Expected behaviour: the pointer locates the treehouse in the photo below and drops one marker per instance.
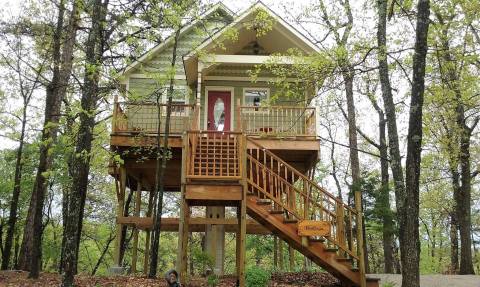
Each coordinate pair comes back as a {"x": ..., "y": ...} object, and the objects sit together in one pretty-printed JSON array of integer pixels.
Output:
[{"x": 234, "y": 142}]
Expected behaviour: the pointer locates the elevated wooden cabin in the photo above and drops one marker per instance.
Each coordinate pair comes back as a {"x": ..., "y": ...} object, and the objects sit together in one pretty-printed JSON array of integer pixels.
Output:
[{"x": 234, "y": 142}]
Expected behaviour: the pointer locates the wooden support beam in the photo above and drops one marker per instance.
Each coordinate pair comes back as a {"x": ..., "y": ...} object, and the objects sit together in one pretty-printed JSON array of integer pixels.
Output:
[
  {"x": 138, "y": 200},
  {"x": 120, "y": 186},
  {"x": 147, "y": 237},
  {"x": 135, "y": 140},
  {"x": 184, "y": 216},
  {"x": 183, "y": 246},
  {"x": 214, "y": 192},
  {"x": 195, "y": 224},
  {"x": 242, "y": 217}
]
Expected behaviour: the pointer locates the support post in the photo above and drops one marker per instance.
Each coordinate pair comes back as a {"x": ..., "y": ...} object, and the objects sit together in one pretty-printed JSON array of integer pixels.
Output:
[
  {"x": 147, "y": 237},
  {"x": 242, "y": 216},
  {"x": 184, "y": 216},
  {"x": 120, "y": 206},
  {"x": 138, "y": 201},
  {"x": 183, "y": 246},
  {"x": 215, "y": 238}
]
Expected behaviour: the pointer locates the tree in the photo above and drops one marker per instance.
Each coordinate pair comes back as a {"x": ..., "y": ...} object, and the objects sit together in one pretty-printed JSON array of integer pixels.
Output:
[
  {"x": 407, "y": 192},
  {"x": 458, "y": 120},
  {"x": 347, "y": 71},
  {"x": 27, "y": 81},
  {"x": 161, "y": 160},
  {"x": 56, "y": 89},
  {"x": 95, "y": 46},
  {"x": 382, "y": 199}
]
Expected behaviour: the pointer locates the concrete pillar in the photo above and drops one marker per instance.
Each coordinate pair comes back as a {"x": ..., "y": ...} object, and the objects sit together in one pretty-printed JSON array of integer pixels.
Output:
[{"x": 215, "y": 238}]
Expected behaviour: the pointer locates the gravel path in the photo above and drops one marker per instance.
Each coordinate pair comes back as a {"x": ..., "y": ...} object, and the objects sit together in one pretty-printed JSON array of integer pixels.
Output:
[{"x": 432, "y": 280}]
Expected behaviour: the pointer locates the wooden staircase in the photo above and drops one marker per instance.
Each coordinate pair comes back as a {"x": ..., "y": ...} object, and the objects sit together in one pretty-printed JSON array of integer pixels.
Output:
[{"x": 280, "y": 198}]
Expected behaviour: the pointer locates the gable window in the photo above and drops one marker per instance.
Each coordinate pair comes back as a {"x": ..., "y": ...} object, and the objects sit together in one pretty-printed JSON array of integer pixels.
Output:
[{"x": 255, "y": 97}]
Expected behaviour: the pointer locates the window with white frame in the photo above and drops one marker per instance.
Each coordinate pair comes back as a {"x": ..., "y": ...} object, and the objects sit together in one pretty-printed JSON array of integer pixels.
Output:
[{"x": 255, "y": 96}]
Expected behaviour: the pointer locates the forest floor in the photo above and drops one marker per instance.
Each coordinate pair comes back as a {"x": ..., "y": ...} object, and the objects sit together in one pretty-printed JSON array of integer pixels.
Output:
[
  {"x": 19, "y": 278},
  {"x": 305, "y": 279}
]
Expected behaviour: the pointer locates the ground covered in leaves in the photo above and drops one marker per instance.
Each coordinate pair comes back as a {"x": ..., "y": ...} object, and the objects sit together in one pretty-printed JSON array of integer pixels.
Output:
[{"x": 19, "y": 278}]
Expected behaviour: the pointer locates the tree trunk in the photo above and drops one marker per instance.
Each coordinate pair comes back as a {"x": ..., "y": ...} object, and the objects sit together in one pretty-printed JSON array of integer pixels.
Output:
[
  {"x": 459, "y": 149},
  {"x": 160, "y": 169},
  {"x": 354, "y": 159},
  {"x": 104, "y": 252},
  {"x": 32, "y": 236},
  {"x": 409, "y": 225},
  {"x": 66, "y": 187},
  {"x": 81, "y": 160},
  {"x": 388, "y": 228},
  {"x": 406, "y": 194},
  {"x": 464, "y": 210},
  {"x": 453, "y": 243},
  {"x": 12, "y": 217},
  {"x": 32, "y": 231},
  {"x": 124, "y": 242}
]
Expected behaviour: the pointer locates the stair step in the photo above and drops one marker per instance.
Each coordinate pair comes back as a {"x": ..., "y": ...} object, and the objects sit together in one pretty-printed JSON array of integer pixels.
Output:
[
  {"x": 264, "y": 201},
  {"x": 277, "y": 211},
  {"x": 321, "y": 239},
  {"x": 290, "y": 220},
  {"x": 344, "y": 259},
  {"x": 249, "y": 193}
]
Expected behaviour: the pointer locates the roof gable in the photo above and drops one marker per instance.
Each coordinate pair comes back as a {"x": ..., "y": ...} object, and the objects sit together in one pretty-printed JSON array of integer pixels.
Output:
[
  {"x": 155, "y": 52},
  {"x": 279, "y": 39}
]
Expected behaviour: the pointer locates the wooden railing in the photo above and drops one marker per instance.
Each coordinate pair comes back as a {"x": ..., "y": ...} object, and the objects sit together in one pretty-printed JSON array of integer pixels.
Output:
[
  {"x": 143, "y": 117},
  {"x": 214, "y": 155},
  {"x": 277, "y": 120},
  {"x": 270, "y": 177}
]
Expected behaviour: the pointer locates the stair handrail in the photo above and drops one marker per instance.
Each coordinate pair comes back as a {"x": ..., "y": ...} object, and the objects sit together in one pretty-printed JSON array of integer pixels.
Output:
[
  {"x": 250, "y": 157},
  {"x": 331, "y": 196},
  {"x": 338, "y": 218}
]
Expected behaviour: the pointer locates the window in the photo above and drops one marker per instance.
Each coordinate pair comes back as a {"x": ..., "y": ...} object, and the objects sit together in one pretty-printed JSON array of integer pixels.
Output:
[{"x": 255, "y": 96}]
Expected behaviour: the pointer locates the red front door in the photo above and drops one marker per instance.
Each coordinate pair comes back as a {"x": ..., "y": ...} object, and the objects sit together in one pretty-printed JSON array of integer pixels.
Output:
[{"x": 218, "y": 114}]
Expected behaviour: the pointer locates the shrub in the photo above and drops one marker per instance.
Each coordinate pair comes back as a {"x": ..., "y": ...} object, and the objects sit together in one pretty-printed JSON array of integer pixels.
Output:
[
  {"x": 257, "y": 277},
  {"x": 212, "y": 280}
]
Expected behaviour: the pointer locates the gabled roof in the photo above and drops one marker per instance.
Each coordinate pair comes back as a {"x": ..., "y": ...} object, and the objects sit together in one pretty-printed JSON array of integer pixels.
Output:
[
  {"x": 284, "y": 28},
  {"x": 160, "y": 47}
]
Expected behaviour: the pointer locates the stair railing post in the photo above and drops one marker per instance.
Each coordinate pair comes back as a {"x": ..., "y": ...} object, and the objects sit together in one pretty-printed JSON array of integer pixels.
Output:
[
  {"x": 306, "y": 204},
  {"x": 340, "y": 214},
  {"x": 359, "y": 223},
  {"x": 238, "y": 117}
]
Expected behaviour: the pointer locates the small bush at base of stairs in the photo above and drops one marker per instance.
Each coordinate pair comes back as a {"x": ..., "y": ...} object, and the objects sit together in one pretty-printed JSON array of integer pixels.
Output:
[{"x": 257, "y": 277}]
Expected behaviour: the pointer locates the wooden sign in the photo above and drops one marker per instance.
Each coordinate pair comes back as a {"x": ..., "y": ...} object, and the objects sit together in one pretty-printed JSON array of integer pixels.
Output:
[{"x": 314, "y": 228}]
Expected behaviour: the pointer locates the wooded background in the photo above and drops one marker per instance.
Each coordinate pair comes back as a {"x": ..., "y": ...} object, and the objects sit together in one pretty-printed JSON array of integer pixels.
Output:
[{"x": 399, "y": 79}]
